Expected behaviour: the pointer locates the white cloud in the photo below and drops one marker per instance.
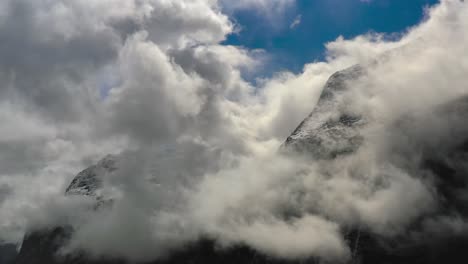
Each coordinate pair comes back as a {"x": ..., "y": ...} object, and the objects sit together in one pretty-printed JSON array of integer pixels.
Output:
[
  {"x": 296, "y": 22},
  {"x": 184, "y": 117}
]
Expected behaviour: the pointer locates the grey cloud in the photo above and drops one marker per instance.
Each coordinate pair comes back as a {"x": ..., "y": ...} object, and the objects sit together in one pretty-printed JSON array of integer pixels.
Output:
[
  {"x": 203, "y": 62},
  {"x": 46, "y": 70},
  {"x": 185, "y": 120},
  {"x": 178, "y": 24},
  {"x": 21, "y": 157},
  {"x": 164, "y": 98},
  {"x": 5, "y": 191},
  {"x": 259, "y": 193}
]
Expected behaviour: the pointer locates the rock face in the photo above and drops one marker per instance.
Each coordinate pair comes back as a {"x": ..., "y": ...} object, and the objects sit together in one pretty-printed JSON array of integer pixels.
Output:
[
  {"x": 441, "y": 136},
  {"x": 7, "y": 253},
  {"x": 89, "y": 181},
  {"x": 325, "y": 134},
  {"x": 321, "y": 135},
  {"x": 332, "y": 130},
  {"x": 40, "y": 247}
]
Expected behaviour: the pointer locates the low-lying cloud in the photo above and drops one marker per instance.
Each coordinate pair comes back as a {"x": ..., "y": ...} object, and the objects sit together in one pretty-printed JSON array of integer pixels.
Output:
[{"x": 199, "y": 144}]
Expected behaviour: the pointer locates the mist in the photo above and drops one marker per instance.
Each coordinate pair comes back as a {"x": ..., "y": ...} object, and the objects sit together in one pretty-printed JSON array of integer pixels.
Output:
[{"x": 200, "y": 150}]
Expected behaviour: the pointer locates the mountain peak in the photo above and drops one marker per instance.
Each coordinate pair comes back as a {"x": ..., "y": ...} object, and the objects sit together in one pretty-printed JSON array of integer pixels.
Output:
[
  {"x": 90, "y": 180},
  {"x": 329, "y": 131}
]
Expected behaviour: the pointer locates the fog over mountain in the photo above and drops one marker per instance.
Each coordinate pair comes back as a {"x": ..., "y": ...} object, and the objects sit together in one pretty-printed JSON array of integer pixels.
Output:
[{"x": 200, "y": 153}]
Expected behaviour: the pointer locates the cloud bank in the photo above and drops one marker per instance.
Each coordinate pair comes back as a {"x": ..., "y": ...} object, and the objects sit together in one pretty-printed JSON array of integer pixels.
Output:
[{"x": 151, "y": 81}]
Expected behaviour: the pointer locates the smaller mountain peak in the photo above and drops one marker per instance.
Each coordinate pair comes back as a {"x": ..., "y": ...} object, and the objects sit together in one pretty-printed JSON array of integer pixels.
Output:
[{"x": 90, "y": 180}]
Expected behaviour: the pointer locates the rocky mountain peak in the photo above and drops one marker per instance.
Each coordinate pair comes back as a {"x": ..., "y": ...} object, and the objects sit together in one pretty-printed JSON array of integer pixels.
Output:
[
  {"x": 325, "y": 133},
  {"x": 90, "y": 180}
]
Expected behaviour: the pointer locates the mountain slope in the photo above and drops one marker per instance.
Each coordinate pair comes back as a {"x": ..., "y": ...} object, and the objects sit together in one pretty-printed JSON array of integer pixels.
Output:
[
  {"x": 41, "y": 246},
  {"x": 323, "y": 134}
]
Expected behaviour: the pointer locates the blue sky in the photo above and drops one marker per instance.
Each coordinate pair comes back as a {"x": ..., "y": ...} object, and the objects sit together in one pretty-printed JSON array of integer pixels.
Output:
[{"x": 321, "y": 21}]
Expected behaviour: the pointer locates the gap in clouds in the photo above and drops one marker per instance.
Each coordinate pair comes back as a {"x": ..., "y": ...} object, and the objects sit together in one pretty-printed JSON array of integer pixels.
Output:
[{"x": 322, "y": 21}]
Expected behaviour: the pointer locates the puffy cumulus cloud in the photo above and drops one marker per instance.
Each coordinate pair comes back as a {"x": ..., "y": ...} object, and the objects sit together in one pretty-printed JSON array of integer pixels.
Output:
[
  {"x": 60, "y": 59},
  {"x": 184, "y": 23},
  {"x": 198, "y": 143}
]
